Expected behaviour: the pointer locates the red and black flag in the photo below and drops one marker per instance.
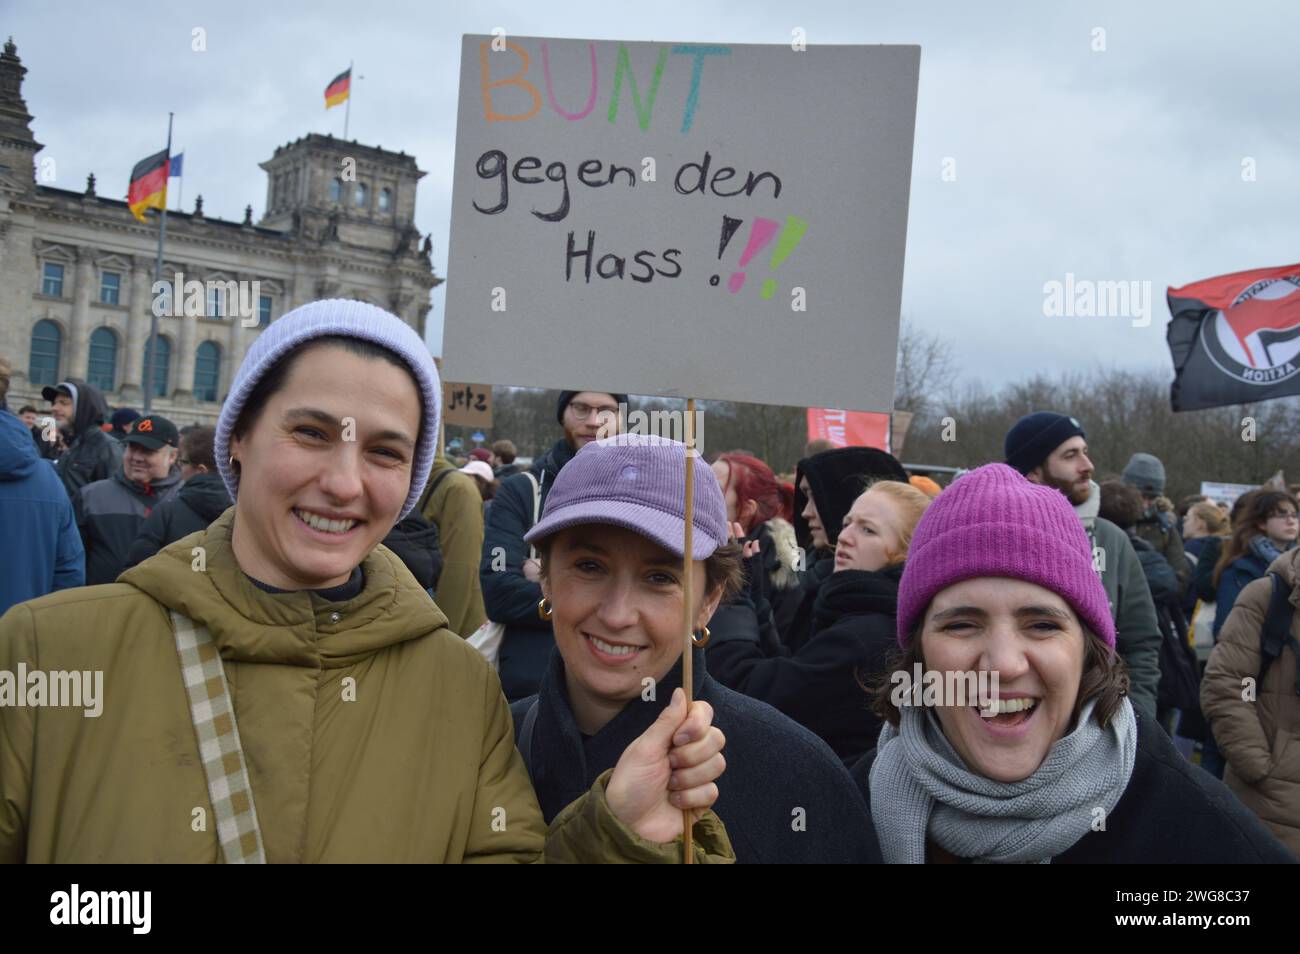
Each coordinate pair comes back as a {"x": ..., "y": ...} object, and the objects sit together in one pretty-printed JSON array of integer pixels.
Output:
[
  {"x": 1235, "y": 339},
  {"x": 148, "y": 187},
  {"x": 338, "y": 89}
]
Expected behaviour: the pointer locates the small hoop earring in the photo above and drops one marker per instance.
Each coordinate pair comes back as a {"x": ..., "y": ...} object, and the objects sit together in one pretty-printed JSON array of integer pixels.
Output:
[
  {"x": 544, "y": 609},
  {"x": 697, "y": 641}
]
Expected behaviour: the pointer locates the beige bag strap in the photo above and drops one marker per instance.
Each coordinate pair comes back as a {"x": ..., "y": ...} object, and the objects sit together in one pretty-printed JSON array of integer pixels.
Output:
[
  {"x": 220, "y": 750},
  {"x": 537, "y": 509}
]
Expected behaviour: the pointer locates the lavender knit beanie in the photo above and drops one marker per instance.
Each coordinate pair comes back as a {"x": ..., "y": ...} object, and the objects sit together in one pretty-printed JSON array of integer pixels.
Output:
[
  {"x": 351, "y": 319},
  {"x": 994, "y": 522}
]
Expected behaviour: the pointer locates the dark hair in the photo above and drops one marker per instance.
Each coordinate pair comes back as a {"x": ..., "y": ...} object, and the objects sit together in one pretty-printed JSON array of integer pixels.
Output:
[
  {"x": 723, "y": 568},
  {"x": 505, "y": 450},
  {"x": 1105, "y": 678},
  {"x": 1121, "y": 504},
  {"x": 196, "y": 445},
  {"x": 1250, "y": 510},
  {"x": 27, "y": 407},
  {"x": 273, "y": 380}
]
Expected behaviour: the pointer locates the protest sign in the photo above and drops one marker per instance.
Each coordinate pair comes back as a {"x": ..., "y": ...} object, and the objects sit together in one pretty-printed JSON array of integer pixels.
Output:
[
  {"x": 1225, "y": 493},
  {"x": 690, "y": 220},
  {"x": 469, "y": 405}
]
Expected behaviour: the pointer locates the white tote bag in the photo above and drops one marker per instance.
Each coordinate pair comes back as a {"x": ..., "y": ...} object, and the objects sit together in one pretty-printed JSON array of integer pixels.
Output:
[{"x": 487, "y": 638}]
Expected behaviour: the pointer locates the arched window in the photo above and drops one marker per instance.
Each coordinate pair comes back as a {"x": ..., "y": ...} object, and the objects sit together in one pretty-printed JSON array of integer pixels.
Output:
[
  {"x": 207, "y": 371},
  {"x": 336, "y": 190},
  {"x": 47, "y": 342},
  {"x": 363, "y": 195},
  {"x": 102, "y": 368},
  {"x": 161, "y": 362},
  {"x": 385, "y": 200}
]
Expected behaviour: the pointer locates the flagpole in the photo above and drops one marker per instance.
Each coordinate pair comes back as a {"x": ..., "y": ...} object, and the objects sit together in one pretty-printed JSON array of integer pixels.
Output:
[
  {"x": 152, "y": 347},
  {"x": 347, "y": 109}
]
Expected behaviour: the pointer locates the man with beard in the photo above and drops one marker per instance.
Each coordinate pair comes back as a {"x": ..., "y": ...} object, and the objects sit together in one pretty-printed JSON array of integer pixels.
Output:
[
  {"x": 1051, "y": 449},
  {"x": 508, "y": 574},
  {"x": 91, "y": 455}
]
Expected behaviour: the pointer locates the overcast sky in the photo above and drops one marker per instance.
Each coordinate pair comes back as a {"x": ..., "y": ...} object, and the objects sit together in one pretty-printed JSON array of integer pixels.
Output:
[{"x": 1122, "y": 164}]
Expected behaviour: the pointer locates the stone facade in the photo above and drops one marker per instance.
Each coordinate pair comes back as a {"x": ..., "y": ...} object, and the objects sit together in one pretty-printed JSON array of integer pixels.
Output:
[{"x": 339, "y": 222}]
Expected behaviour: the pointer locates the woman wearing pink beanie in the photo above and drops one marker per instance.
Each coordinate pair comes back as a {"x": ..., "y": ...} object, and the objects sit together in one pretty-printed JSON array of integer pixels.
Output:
[{"x": 1048, "y": 761}]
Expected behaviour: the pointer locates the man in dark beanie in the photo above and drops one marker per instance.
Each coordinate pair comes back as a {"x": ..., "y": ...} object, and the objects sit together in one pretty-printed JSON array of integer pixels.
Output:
[
  {"x": 122, "y": 420},
  {"x": 508, "y": 572},
  {"x": 1052, "y": 449},
  {"x": 1147, "y": 474}
]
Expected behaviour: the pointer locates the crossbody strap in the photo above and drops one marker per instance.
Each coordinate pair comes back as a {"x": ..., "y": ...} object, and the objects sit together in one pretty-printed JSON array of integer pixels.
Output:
[
  {"x": 220, "y": 750},
  {"x": 537, "y": 508}
]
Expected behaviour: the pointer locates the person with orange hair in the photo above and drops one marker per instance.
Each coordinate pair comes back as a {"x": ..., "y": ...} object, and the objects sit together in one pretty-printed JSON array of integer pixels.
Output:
[{"x": 925, "y": 484}]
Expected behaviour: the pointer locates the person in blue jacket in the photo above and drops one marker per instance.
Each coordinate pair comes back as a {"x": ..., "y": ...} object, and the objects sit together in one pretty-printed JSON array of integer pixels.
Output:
[
  {"x": 42, "y": 549},
  {"x": 508, "y": 574},
  {"x": 1266, "y": 527}
]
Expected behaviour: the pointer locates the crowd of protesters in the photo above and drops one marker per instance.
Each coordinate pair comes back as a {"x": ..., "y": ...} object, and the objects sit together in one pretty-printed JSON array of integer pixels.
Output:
[{"x": 314, "y": 602}]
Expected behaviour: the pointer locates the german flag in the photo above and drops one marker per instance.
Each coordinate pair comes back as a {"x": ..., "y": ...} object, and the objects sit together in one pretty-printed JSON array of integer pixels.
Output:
[
  {"x": 148, "y": 184},
  {"x": 337, "y": 91}
]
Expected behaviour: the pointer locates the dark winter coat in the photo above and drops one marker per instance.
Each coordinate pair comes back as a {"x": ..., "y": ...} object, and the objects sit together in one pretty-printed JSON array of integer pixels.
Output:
[
  {"x": 42, "y": 550},
  {"x": 1158, "y": 529},
  {"x": 1245, "y": 569},
  {"x": 1171, "y": 813},
  {"x": 783, "y": 798},
  {"x": 1207, "y": 557},
  {"x": 508, "y": 596},
  {"x": 821, "y": 683},
  {"x": 92, "y": 455},
  {"x": 200, "y": 500},
  {"x": 110, "y": 514}
]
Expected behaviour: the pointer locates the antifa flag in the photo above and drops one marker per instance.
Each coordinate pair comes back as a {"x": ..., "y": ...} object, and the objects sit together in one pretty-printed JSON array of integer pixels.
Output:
[{"x": 1235, "y": 339}]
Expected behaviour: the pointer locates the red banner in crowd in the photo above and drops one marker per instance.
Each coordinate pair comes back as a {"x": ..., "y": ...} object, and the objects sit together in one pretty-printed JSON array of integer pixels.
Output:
[
  {"x": 849, "y": 428},
  {"x": 1235, "y": 339}
]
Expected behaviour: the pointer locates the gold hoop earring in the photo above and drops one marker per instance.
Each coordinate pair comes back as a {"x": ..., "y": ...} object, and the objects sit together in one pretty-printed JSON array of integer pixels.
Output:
[
  {"x": 697, "y": 641},
  {"x": 544, "y": 609}
]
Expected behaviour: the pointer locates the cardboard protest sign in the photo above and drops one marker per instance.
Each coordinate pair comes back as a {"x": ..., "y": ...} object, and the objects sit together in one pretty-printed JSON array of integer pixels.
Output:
[
  {"x": 693, "y": 220},
  {"x": 469, "y": 405}
]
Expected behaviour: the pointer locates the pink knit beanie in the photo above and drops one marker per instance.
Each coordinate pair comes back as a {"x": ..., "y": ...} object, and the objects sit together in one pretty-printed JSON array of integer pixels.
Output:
[{"x": 994, "y": 522}]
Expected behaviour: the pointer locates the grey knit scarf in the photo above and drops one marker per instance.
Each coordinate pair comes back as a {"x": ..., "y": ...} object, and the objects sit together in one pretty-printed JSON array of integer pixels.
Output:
[{"x": 921, "y": 787}]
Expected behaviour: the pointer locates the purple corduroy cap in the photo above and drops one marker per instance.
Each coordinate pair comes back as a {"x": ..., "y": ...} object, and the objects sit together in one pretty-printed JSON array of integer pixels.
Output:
[
  {"x": 351, "y": 319},
  {"x": 637, "y": 481},
  {"x": 994, "y": 522}
]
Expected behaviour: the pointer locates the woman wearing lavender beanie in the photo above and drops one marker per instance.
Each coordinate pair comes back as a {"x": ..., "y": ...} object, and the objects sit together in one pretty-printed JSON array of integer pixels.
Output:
[
  {"x": 1048, "y": 762},
  {"x": 278, "y": 687}
]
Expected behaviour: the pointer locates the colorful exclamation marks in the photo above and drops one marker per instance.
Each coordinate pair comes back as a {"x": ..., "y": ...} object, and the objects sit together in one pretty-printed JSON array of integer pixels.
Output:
[
  {"x": 791, "y": 236},
  {"x": 760, "y": 233}
]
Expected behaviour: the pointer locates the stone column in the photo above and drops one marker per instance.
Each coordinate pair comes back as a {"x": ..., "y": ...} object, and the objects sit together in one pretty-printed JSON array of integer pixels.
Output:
[
  {"x": 139, "y": 313},
  {"x": 183, "y": 354},
  {"x": 79, "y": 333}
]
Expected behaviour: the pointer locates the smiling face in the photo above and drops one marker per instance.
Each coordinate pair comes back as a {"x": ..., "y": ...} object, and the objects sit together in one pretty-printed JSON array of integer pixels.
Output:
[
  {"x": 617, "y": 599},
  {"x": 324, "y": 469},
  {"x": 143, "y": 465},
  {"x": 819, "y": 539},
  {"x": 1032, "y": 639},
  {"x": 871, "y": 539}
]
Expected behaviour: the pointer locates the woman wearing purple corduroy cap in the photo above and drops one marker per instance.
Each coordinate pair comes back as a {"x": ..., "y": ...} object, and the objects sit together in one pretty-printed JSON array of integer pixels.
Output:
[
  {"x": 611, "y": 539},
  {"x": 1009, "y": 736},
  {"x": 278, "y": 687}
]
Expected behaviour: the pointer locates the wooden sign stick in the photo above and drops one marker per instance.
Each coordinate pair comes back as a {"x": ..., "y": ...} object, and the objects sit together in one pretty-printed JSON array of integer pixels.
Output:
[{"x": 687, "y": 623}]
